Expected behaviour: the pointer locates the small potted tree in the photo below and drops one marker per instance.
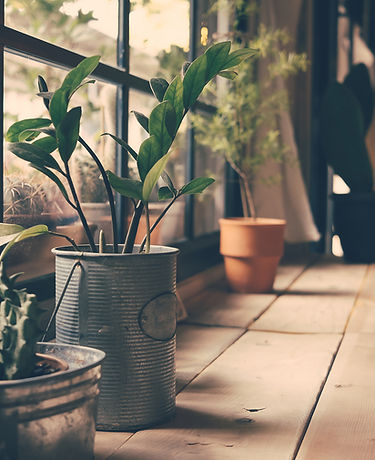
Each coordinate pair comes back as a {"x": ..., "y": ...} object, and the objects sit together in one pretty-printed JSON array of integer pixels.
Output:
[
  {"x": 48, "y": 392},
  {"x": 244, "y": 131},
  {"x": 121, "y": 297}
]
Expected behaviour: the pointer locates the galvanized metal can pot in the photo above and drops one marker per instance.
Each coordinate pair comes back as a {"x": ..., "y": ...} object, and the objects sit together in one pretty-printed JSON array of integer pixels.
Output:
[
  {"x": 125, "y": 305},
  {"x": 52, "y": 416}
]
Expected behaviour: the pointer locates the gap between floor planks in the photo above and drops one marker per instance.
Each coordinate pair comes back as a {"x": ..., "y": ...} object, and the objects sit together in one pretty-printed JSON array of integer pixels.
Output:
[{"x": 121, "y": 438}]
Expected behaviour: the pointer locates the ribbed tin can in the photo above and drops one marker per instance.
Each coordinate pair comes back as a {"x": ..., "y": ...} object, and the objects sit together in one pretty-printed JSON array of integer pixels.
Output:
[
  {"x": 125, "y": 305},
  {"x": 52, "y": 416}
]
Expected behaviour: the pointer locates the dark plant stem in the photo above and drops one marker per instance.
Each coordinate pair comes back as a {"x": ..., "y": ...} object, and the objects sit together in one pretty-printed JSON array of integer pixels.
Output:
[
  {"x": 108, "y": 190},
  {"x": 132, "y": 232},
  {"x": 148, "y": 243},
  {"x": 165, "y": 210},
  {"x": 79, "y": 209},
  {"x": 71, "y": 241}
]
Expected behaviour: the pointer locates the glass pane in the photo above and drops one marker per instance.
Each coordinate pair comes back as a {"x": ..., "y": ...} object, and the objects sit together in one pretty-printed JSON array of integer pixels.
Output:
[
  {"x": 31, "y": 198},
  {"x": 83, "y": 26},
  {"x": 209, "y": 205},
  {"x": 159, "y": 37},
  {"x": 171, "y": 228}
]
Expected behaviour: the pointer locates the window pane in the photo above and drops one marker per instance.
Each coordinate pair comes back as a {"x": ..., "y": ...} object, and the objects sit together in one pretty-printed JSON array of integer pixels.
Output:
[
  {"x": 83, "y": 26},
  {"x": 171, "y": 228},
  {"x": 31, "y": 198},
  {"x": 209, "y": 206},
  {"x": 159, "y": 37}
]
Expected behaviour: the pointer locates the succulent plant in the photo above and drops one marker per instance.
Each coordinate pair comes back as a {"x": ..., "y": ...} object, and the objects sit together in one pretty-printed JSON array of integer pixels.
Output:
[{"x": 19, "y": 328}]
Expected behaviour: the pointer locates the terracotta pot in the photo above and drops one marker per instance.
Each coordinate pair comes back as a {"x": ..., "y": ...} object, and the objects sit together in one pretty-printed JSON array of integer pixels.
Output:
[{"x": 252, "y": 249}]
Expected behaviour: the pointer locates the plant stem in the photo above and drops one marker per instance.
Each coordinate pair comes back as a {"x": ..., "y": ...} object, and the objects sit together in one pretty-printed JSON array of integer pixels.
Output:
[
  {"x": 71, "y": 241},
  {"x": 79, "y": 209},
  {"x": 165, "y": 210},
  {"x": 147, "y": 229},
  {"x": 108, "y": 190},
  {"x": 249, "y": 198},
  {"x": 132, "y": 232},
  {"x": 245, "y": 203}
]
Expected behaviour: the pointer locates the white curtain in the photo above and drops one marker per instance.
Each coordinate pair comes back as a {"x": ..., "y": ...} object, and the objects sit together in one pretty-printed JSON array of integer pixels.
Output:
[{"x": 288, "y": 198}]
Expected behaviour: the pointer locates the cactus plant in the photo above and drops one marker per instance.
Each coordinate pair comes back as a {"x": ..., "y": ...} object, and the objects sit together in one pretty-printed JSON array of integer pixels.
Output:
[
  {"x": 344, "y": 121},
  {"x": 19, "y": 328}
]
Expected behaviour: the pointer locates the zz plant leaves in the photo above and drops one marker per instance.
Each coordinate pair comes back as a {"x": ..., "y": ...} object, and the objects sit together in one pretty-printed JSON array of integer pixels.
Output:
[
  {"x": 16, "y": 130},
  {"x": 196, "y": 185},
  {"x": 159, "y": 86},
  {"x": 174, "y": 101}
]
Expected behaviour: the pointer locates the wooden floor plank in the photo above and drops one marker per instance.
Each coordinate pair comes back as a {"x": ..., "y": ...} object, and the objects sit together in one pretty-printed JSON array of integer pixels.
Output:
[
  {"x": 320, "y": 300},
  {"x": 197, "y": 346},
  {"x": 217, "y": 306},
  {"x": 363, "y": 316},
  {"x": 106, "y": 443},
  {"x": 251, "y": 403},
  {"x": 343, "y": 425}
]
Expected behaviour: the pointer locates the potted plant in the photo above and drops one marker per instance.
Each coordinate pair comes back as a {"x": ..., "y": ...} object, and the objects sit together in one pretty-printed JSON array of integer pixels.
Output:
[
  {"x": 346, "y": 115},
  {"x": 48, "y": 392},
  {"x": 121, "y": 298},
  {"x": 244, "y": 130}
]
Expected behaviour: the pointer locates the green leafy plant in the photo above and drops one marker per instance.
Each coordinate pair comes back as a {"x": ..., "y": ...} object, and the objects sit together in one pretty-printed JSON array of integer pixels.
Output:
[
  {"x": 48, "y": 144},
  {"x": 244, "y": 129}
]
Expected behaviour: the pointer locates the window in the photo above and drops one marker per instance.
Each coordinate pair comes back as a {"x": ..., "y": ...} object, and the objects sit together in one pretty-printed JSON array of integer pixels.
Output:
[{"x": 136, "y": 41}]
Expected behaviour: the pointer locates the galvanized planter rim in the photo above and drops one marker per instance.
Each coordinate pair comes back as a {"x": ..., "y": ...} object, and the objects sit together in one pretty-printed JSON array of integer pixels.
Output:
[
  {"x": 4, "y": 384},
  {"x": 157, "y": 251}
]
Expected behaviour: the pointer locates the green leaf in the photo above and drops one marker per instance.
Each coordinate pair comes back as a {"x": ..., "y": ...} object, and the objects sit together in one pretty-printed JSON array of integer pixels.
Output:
[
  {"x": 142, "y": 120},
  {"x": 126, "y": 187},
  {"x": 229, "y": 74},
  {"x": 43, "y": 88},
  {"x": 68, "y": 133},
  {"x": 149, "y": 154},
  {"x": 153, "y": 176},
  {"x": 169, "y": 183},
  {"x": 31, "y": 232},
  {"x": 185, "y": 66},
  {"x": 59, "y": 105},
  {"x": 216, "y": 57},
  {"x": 163, "y": 125},
  {"x": 76, "y": 76},
  {"x": 48, "y": 144},
  {"x": 17, "y": 128},
  {"x": 53, "y": 177},
  {"x": 7, "y": 230},
  {"x": 194, "y": 80},
  {"x": 159, "y": 86},
  {"x": 238, "y": 56},
  {"x": 197, "y": 185},
  {"x": 123, "y": 144},
  {"x": 33, "y": 154},
  {"x": 174, "y": 95},
  {"x": 164, "y": 193}
]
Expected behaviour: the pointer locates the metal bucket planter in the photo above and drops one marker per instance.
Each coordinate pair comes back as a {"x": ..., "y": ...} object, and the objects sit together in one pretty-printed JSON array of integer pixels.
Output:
[
  {"x": 52, "y": 416},
  {"x": 125, "y": 305}
]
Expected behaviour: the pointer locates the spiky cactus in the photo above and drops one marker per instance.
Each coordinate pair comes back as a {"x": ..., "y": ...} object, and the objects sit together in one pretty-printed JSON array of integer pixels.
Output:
[{"x": 19, "y": 329}]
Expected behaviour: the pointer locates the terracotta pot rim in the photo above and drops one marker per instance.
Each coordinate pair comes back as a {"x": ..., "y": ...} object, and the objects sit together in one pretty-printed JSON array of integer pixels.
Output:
[{"x": 249, "y": 221}]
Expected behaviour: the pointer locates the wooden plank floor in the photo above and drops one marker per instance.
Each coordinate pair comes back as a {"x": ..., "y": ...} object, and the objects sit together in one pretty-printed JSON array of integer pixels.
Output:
[{"x": 286, "y": 375}]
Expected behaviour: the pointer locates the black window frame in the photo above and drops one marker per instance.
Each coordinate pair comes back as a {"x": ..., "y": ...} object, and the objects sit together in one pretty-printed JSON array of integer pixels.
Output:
[{"x": 196, "y": 253}]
